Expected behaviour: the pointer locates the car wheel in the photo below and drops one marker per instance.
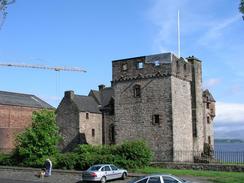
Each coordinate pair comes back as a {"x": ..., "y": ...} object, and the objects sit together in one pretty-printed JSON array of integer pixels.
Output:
[
  {"x": 103, "y": 180},
  {"x": 123, "y": 176}
]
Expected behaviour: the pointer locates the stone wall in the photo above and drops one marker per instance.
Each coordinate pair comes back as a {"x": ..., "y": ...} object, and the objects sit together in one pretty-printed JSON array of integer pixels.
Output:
[
  {"x": 208, "y": 123},
  {"x": 13, "y": 120},
  {"x": 68, "y": 122},
  {"x": 182, "y": 119},
  {"x": 109, "y": 131},
  {"x": 134, "y": 116},
  {"x": 201, "y": 166},
  {"x": 197, "y": 104},
  {"x": 90, "y": 124}
]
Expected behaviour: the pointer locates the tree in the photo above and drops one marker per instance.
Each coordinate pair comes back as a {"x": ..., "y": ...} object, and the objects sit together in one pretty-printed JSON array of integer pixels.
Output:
[
  {"x": 241, "y": 8},
  {"x": 39, "y": 141},
  {"x": 3, "y": 10}
]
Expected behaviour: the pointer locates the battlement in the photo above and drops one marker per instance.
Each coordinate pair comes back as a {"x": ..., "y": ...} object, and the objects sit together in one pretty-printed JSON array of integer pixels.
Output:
[{"x": 152, "y": 66}]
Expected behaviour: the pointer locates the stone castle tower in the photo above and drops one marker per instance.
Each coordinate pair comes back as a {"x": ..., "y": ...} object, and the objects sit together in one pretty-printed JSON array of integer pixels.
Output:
[
  {"x": 159, "y": 98},
  {"x": 156, "y": 98}
]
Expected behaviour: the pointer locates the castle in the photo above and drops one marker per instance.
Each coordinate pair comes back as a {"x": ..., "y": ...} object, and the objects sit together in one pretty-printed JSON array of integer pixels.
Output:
[{"x": 156, "y": 98}]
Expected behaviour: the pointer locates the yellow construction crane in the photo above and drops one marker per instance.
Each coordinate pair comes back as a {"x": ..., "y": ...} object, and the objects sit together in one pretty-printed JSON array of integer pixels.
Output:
[{"x": 58, "y": 68}]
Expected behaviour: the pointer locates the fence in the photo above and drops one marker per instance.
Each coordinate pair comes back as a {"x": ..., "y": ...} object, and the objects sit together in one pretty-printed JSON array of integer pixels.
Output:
[
  {"x": 229, "y": 157},
  {"x": 215, "y": 156}
]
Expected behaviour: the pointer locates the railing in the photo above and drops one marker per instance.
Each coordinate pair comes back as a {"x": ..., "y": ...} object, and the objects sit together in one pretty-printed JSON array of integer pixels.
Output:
[
  {"x": 229, "y": 157},
  {"x": 215, "y": 157}
]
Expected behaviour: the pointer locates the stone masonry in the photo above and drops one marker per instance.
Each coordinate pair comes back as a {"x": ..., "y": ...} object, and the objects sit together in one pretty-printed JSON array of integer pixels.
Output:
[{"x": 156, "y": 98}]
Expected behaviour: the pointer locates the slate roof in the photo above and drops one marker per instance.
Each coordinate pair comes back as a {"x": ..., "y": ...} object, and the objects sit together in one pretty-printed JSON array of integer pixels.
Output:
[
  {"x": 20, "y": 99},
  {"x": 86, "y": 104},
  {"x": 94, "y": 101},
  {"x": 206, "y": 93},
  {"x": 106, "y": 95}
]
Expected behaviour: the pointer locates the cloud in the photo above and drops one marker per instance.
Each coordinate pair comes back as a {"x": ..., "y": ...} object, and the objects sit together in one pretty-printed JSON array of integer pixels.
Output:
[
  {"x": 211, "y": 83},
  {"x": 163, "y": 14},
  {"x": 229, "y": 113},
  {"x": 217, "y": 30},
  {"x": 229, "y": 121}
]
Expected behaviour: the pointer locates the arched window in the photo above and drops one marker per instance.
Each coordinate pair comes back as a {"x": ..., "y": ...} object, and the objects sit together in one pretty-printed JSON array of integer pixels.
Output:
[{"x": 137, "y": 91}]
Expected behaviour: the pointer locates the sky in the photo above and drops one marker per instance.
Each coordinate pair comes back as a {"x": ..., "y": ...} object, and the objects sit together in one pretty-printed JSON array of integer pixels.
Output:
[{"x": 90, "y": 34}]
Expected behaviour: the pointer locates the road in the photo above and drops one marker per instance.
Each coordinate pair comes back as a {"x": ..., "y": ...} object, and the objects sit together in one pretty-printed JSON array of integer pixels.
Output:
[{"x": 20, "y": 176}]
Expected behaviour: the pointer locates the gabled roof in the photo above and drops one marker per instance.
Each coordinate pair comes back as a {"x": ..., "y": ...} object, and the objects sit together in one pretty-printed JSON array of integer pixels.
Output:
[
  {"x": 106, "y": 95},
  {"x": 95, "y": 94},
  {"x": 86, "y": 104},
  {"x": 206, "y": 93},
  {"x": 20, "y": 99}
]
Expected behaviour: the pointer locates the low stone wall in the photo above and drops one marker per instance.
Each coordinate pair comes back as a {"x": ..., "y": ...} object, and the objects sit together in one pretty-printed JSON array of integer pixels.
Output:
[{"x": 200, "y": 166}]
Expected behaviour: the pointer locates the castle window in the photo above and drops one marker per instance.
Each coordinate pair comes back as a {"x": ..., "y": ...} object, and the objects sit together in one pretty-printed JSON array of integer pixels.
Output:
[
  {"x": 208, "y": 120},
  {"x": 156, "y": 63},
  {"x": 87, "y": 115},
  {"x": 156, "y": 119},
  {"x": 185, "y": 67},
  {"x": 208, "y": 105},
  {"x": 177, "y": 66},
  {"x": 93, "y": 132},
  {"x": 124, "y": 67},
  {"x": 137, "y": 91},
  {"x": 209, "y": 140},
  {"x": 140, "y": 65}
]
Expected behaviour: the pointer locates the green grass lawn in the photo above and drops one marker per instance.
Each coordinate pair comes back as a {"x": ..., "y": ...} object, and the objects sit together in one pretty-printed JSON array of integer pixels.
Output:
[{"x": 213, "y": 176}]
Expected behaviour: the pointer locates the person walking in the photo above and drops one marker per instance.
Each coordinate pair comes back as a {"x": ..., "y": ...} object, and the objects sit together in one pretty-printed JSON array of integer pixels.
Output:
[{"x": 48, "y": 167}]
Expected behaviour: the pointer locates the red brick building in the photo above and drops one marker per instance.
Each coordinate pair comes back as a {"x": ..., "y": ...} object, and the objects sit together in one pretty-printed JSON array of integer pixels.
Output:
[{"x": 15, "y": 115}]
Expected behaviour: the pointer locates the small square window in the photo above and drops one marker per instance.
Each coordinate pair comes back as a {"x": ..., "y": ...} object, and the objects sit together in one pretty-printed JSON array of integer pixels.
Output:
[
  {"x": 156, "y": 63},
  {"x": 124, "y": 67},
  {"x": 156, "y": 119},
  {"x": 140, "y": 65},
  {"x": 87, "y": 115}
]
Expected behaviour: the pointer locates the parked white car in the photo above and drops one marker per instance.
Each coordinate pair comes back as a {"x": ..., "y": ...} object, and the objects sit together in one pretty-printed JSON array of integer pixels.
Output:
[
  {"x": 160, "y": 178},
  {"x": 103, "y": 172}
]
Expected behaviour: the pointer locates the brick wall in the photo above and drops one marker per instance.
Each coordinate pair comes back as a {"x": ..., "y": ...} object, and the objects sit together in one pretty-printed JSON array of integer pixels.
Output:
[{"x": 13, "y": 119}]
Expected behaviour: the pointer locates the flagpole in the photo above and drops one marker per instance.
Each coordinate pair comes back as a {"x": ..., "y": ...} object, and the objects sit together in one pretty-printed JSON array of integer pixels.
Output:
[{"x": 178, "y": 33}]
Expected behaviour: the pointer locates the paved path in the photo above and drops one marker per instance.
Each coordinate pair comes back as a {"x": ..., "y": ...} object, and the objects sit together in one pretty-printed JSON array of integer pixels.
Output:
[{"x": 19, "y": 175}]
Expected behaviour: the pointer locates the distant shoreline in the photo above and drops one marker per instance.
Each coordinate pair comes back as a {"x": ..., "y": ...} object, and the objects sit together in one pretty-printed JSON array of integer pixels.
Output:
[{"x": 228, "y": 141}]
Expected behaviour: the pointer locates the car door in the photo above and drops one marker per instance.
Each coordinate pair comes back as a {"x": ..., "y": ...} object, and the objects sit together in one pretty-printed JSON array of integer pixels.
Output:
[
  {"x": 116, "y": 172},
  {"x": 108, "y": 172}
]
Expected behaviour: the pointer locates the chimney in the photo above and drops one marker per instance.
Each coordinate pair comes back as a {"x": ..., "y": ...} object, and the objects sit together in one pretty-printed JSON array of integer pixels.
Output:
[
  {"x": 101, "y": 87},
  {"x": 69, "y": 94}
]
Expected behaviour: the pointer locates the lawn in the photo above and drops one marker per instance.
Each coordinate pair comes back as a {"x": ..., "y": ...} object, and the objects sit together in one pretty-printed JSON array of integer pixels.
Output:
[{"x": 213, "y": 176}]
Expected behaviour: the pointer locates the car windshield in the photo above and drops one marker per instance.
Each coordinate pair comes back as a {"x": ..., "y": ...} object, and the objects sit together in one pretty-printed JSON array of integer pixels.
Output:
[{"x": 94, "y": 168}]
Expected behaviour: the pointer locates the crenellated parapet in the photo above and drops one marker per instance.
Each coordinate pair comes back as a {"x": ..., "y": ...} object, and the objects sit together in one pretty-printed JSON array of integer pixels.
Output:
[{"x": 153, "y": 66}]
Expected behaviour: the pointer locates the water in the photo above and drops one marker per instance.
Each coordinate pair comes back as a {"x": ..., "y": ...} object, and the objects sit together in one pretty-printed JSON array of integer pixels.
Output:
[{"x": 229, "y": 147}]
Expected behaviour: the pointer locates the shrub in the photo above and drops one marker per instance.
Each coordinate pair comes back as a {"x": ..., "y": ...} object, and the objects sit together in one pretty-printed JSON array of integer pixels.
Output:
[
  {"x": 66, "y": 160},
  {"x": 39, "y": 141},
  {"x": 6, "y": 160},
  {"x": 135, "y": 154}
]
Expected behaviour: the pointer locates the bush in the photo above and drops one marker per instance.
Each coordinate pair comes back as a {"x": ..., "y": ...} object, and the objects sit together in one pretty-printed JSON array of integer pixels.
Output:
[
  {"x": 66, "y": 161},
  {"x": 135, "y": 153},
  {"x": 39, "y": 141},
  {"x": 6, "y": 160},
  {"x": 127, "y": 155}
]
